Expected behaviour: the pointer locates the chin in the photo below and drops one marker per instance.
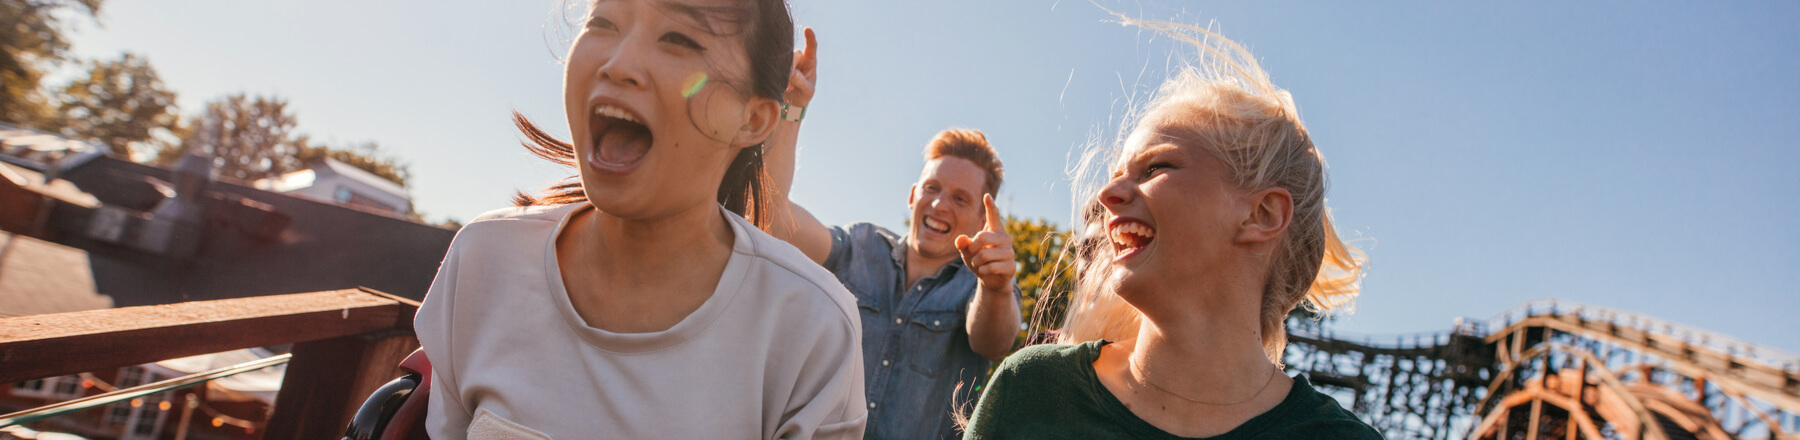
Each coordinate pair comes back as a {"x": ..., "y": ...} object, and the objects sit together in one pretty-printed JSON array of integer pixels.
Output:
[
  {"x": 934, "y": 248},
  {"x": 621, "y": 199},
  {"x": 1127, "y": 282}
]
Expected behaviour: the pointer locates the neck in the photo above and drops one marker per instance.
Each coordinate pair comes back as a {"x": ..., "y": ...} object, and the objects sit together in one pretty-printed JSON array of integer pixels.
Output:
[
  {"x": 1207, "y": 351},
  {"x": 644, "y": 249},
  {"x": 919, "y": 265}
]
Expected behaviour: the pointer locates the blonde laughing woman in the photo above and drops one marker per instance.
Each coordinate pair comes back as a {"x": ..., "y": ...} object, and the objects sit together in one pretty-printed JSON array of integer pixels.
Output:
[{"x": 1215, "y": 228}]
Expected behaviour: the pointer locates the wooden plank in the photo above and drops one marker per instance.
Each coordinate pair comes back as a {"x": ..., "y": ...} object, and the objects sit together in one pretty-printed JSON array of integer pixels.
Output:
[
  {"x": 65, "y": 343},
  {"x": 329, "y": 379}
]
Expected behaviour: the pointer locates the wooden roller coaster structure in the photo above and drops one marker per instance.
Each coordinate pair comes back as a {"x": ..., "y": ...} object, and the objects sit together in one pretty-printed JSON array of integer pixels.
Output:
[{"x": 1552, "y": 369}]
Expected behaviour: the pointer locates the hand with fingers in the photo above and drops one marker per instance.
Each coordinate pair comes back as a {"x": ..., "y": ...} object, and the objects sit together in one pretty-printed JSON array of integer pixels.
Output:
[
  {"x": 990, "y": 252},
  {"x": 803, "y": 78}
]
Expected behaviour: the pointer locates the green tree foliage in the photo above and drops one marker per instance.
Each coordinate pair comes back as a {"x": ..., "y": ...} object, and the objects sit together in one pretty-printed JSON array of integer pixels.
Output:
[
  {"x": 118, "y": 103},
  {"x": 248, "y": 138},
  {"x": 32, "y": 42},
  {"x": 367, "y": 156},
  {"x": 1046, "y": 275}
]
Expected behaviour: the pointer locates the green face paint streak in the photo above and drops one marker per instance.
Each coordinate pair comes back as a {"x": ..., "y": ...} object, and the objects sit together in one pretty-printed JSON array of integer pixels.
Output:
[{"x": 695, "y": 82}]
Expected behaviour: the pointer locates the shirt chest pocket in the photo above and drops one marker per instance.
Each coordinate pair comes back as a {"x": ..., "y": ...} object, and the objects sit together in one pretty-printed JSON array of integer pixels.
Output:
[{"x": 930, "y": 338}]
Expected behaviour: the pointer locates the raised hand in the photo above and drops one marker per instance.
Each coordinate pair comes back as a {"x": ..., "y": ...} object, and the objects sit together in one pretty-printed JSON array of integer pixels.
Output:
[
  {"x": 805, "y": 74},
  {"x": 990, "y": 252}
]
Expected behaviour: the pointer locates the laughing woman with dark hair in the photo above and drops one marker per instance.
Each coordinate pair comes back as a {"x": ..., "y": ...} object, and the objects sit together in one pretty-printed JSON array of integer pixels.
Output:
[{"x": 635, "y": 300}]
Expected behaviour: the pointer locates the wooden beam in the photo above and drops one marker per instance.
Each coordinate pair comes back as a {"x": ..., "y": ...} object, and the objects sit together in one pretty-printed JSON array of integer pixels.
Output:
[
  {"x": 39, "y": 346},
  {"x": 1767, "y": 388},
  {"x": 329, "y": 379}
]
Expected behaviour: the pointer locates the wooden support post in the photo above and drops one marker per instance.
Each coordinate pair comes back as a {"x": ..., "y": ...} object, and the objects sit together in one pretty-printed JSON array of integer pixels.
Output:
[
  {"x": 328, "y": 380},
  {"x": 1700, "y": 391},
  {"x": 1580, "y": 394},
  {"x": 1537, "y": 408},
  {"x": 1505, "y": 420}
]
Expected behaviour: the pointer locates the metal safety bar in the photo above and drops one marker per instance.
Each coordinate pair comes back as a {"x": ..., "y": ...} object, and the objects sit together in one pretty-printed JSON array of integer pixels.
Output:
[{"x": 98, "y": 400}]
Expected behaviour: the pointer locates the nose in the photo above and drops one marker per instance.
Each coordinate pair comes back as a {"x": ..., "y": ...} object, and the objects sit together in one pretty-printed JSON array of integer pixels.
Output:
[
  {"x": 1116, "y": 193},
  {"x": 625, "y": 67}
]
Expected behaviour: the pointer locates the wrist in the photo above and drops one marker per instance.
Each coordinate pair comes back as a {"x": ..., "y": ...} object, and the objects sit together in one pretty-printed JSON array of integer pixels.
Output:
[{"x": 986, "y": 290}]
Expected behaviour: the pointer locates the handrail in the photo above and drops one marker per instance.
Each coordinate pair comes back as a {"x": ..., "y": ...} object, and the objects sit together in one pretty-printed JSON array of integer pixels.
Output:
[
  {"x": 346, "y": 343},
  {"x": 95, "y": 401}
]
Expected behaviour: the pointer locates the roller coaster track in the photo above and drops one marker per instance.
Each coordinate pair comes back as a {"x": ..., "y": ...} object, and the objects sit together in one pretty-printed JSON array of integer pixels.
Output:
[{"x": 1551, "y": 369}]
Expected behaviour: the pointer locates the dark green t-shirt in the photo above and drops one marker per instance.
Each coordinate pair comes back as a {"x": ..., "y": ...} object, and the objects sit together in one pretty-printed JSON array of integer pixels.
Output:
[{"x": 1051, "y": 392}]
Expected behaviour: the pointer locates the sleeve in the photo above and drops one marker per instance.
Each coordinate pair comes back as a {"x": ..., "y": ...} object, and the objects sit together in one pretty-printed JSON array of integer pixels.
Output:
[
  {"x": 840, "y": 249},
  {"x": 446, "y": 417},
  {"x": 827, "y": 401}
]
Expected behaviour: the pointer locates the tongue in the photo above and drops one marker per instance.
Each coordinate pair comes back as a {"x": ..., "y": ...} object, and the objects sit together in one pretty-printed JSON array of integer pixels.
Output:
[{"x": 624, "y": 143}]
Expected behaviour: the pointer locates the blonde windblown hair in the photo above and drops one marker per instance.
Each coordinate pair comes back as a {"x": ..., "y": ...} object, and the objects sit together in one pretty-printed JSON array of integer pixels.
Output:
[{"x": 1223, "y": 101}]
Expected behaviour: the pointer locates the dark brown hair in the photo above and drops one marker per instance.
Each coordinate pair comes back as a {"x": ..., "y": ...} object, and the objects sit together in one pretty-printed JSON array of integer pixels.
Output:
[
  {"x": 971, "y": 145},
  {"x": 768, "y": 42}
]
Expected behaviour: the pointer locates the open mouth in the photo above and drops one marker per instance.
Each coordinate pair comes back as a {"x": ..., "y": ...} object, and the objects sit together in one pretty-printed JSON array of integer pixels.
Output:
[
  {"x": 935, "y": 226},
  {"x": 1130, "y": 236},
  {"x": 620, "y": 138}
]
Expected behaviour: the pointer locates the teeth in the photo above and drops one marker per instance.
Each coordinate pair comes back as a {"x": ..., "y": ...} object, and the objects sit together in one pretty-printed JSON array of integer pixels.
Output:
[
  {"x": 1131, "y": 235},
  {"x": 616, "y": 113},
  {"x": 934, "y": 224}
]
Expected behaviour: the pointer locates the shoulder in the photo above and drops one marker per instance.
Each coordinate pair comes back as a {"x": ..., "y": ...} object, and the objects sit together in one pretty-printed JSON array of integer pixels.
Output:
[
  {"x": 807, "y": 284},
  {"x": 864, "y": 234},
  {"x": 509, "y": 226},
  {"x": 859, "y": 244},
  {"x": 1042, "y": 391},
  {"x": 550, "y": 213},
  {"x": 1318, "y": 415},
  {"x": 1049, "y": 361}
]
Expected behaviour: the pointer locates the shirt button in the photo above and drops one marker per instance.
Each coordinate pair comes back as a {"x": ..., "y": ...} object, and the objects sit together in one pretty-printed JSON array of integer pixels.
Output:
[
  {"x": 884, "y": 363},
  {"x": 871, "y": 405},
  {"x": 897, "y": 320},
  {"x": 934, "y": 323}
]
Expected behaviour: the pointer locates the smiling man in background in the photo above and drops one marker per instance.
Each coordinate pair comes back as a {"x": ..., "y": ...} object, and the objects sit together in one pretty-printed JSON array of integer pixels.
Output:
[{"x": 938, "y": 304}]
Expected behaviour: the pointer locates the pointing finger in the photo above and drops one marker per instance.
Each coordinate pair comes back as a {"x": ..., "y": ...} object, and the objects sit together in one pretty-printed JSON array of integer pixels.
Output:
[{"x": 993, "y": 215}]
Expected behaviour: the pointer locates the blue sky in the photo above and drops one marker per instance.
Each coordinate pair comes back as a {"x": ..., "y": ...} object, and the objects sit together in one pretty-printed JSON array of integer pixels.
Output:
[{"x": 1637, "y": 155}]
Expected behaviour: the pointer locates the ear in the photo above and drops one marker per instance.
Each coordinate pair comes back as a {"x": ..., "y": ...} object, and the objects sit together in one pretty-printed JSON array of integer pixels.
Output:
[
  {"x": 1270, "y": 212},
  {"x": 760, "y": 117},
  {"x": 912, "y": 195}
]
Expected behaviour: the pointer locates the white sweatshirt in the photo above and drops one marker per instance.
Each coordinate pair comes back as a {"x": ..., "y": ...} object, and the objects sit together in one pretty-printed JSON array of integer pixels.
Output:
[{"x": 772, "y": 354}]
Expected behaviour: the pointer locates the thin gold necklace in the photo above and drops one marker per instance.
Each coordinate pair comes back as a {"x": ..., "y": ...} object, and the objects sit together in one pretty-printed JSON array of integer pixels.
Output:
[{"x": 1134, "y": 370}]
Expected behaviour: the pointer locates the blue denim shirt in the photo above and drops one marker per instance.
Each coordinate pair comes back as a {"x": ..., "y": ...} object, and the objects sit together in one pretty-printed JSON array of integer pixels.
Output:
[{"x": 917, "y": 362}]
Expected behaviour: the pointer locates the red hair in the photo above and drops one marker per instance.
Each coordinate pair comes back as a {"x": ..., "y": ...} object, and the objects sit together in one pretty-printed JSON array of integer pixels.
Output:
[{"x": 973, "y": 146}]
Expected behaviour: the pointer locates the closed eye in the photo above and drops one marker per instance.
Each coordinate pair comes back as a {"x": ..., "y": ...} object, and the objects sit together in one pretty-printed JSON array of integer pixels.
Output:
[
  {"x": 1148, "y": 170},
  {"x": 682, "y": 40}
]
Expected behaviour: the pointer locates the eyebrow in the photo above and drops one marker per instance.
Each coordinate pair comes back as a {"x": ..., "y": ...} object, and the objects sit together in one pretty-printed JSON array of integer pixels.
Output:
[{"x": 716, "y": 20}]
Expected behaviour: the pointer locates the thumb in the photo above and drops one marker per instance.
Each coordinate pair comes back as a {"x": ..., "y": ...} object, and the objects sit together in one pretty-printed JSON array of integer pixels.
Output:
[
  {"x": 963, "y": 242},
  {"x": 994, "y": 224}
]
